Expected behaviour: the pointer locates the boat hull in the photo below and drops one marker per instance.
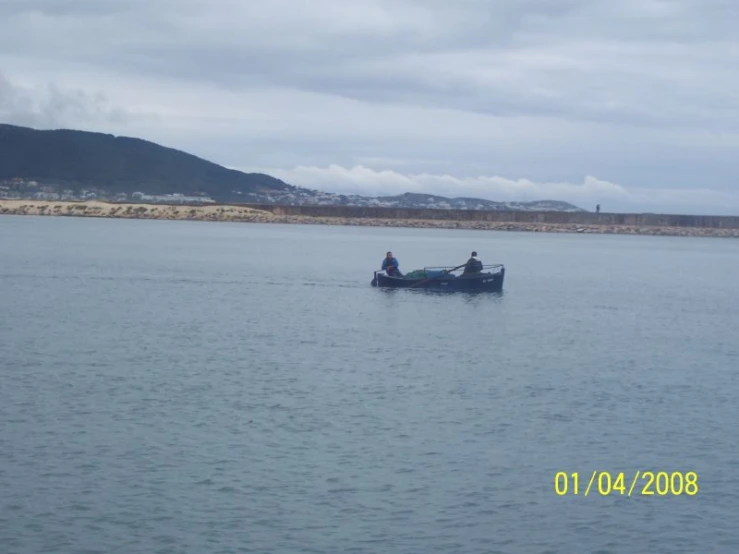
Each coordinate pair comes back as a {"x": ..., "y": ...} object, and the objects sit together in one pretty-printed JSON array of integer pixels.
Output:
[{"x": 482, "y": 282}]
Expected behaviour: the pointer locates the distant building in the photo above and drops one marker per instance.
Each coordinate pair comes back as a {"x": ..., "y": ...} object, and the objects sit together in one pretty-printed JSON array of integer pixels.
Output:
[{"x": 175, "y": 198}]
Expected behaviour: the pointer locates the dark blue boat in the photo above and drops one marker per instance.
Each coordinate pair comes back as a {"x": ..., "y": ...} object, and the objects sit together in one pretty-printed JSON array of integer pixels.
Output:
[{"x": 490, "y": 279}]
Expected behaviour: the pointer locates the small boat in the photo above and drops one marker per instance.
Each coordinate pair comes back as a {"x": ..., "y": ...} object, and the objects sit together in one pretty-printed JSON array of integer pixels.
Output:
[{"x": 490, "y": 279}]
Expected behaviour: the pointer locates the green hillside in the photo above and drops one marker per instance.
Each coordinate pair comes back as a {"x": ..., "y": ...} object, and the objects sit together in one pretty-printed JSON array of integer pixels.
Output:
[{"x": 81, "y": 159}]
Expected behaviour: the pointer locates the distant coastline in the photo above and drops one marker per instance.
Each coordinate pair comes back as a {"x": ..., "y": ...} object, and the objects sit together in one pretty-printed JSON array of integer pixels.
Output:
[{"x": 245, "y": 214}]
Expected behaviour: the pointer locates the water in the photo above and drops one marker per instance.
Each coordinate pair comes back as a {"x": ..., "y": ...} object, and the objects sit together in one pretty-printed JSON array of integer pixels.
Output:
[{"x": 189, "y": 387}]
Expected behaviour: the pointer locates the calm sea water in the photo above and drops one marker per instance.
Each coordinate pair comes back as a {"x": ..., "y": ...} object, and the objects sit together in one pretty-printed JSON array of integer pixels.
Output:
[{"x": 191, "y": 387}]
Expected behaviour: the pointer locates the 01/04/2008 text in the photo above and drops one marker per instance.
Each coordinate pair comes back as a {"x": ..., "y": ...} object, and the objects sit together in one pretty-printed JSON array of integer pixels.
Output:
[{"x": 642, "y": 483}]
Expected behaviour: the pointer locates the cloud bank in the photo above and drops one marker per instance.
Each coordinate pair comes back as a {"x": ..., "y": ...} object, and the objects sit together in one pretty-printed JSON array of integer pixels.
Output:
[{"x": 585, "y": 194}]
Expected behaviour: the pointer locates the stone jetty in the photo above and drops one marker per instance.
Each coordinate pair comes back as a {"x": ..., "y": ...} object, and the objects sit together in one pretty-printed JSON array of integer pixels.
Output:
[{"x": 248, "y": 214}]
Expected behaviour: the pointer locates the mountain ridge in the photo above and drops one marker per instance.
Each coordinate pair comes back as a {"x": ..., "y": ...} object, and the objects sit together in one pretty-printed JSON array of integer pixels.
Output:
[{"x": 77, "y": 165}]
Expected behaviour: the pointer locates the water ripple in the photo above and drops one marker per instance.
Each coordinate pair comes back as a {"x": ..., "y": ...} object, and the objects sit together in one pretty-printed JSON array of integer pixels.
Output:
[{"x": 162, "y": 398}]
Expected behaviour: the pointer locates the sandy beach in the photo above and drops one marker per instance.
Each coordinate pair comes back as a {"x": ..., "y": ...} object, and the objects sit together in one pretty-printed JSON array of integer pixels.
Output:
[{"x": 250, "y": 215}]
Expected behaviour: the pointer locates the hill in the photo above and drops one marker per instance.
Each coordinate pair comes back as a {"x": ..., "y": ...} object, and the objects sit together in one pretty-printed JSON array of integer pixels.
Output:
[
  {"x": 85, "y": 160},
  {"x": 66, "y": 164}
]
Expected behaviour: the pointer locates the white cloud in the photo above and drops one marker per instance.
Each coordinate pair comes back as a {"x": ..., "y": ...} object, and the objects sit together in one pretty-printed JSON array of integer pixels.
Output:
[
  {"x": 586, "y": 194},
  {"x": 366, "y": 181}
]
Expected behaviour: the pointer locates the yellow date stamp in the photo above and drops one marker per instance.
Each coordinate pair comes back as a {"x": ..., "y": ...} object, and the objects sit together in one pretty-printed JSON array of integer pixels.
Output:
[{"x": 641, "y": 483}]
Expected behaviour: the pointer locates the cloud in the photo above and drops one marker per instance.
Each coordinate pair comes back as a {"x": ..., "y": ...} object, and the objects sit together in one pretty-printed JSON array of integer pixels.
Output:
[
  {"x": 366, "y": 181},
  {"x": 49, "y": 106},
  {"x": 586, "y": 194},
  {"x": 640, "y": 63}
]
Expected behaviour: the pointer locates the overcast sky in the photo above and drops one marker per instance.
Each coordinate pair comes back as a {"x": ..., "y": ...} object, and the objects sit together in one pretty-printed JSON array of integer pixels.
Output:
[{"x": 631, "y": 104}]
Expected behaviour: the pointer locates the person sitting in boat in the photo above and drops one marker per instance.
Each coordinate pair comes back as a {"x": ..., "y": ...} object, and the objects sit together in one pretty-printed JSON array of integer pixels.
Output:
[
  {"x": 391, "y": 266},
  {"x": 473, "y": 265}
]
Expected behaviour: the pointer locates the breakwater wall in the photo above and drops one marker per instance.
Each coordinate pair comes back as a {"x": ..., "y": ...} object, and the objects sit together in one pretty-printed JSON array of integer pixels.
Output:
[
  {"x": 571, "y": 218},
  {"x": 490, "y": 221}
]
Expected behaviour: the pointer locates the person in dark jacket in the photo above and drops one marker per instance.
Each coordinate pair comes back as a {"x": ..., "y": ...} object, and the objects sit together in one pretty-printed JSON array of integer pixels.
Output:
[
  {"x": 391, "y": 265},
  {"x": 473, "y": 265}
]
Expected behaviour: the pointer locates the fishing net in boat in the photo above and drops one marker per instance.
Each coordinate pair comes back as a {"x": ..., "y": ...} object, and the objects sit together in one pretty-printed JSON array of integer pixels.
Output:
[{"x": 415, "y": 274}]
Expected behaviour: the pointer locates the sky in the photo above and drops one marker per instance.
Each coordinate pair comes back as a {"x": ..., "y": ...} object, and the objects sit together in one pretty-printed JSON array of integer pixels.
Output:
[{"x": 632, "y": 105}]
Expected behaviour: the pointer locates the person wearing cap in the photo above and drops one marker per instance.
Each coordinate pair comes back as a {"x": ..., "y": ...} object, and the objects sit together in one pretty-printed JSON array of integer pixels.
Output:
[{"x": 473, "y": 265}]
